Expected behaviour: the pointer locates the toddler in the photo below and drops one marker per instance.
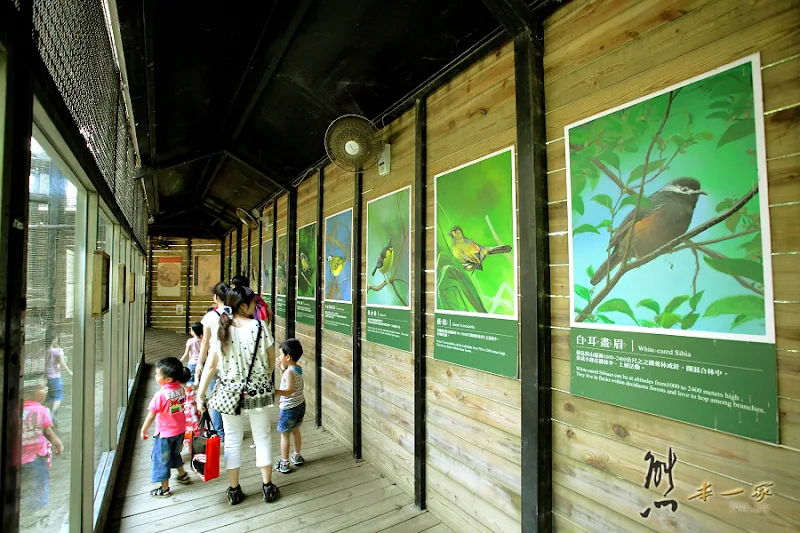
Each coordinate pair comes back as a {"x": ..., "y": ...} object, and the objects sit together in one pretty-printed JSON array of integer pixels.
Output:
[
  {"x": 37, "y": 438},
  {"x": 292, "y": 403},
  {"x": 193, "y": 347}
]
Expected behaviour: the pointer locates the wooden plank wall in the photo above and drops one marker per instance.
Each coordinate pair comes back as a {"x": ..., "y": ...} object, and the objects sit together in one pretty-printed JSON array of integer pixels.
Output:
[
  {"x": 600, "y": 54},
  {"x": 387, "y": 374},
  {"x": 163, "y": 309},
  {"x": 473, "y": 438},
  {"x": 307, "y": 335},
  {"x": 337, "y": 349}
]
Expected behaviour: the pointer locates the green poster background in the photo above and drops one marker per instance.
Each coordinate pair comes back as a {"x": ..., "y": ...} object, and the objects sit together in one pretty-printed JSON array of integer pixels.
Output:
[
  {"x": 338, "y": 311},
  {"x": 281, "y": 272},
  {"x": 266, "y": 270},
  {"x": 307, "y": 261},
  {"x": 305, "y": 311},
  {"x": 688, "y": 160},
  {"x": 476, "y": 257},
  {"x": 338, "y": 317},
  {"x": 389, "y": 270}
]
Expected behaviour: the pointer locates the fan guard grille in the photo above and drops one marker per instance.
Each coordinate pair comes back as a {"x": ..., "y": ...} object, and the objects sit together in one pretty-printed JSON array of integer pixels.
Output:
[{"x": 353, "y": 143}]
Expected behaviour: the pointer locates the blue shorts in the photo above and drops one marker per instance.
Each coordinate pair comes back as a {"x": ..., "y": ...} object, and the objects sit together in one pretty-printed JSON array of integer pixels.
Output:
[
  {"x": 166, "y": 454},
  {"x": 55, "y": 390},
  {"x": 291, "y": 418}
]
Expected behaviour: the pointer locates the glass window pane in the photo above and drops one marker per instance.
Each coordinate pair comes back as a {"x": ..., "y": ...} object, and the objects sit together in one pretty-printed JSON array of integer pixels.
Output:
[
  {"x": 102, "y": 348},
  {"x": 49, "y": 331}
]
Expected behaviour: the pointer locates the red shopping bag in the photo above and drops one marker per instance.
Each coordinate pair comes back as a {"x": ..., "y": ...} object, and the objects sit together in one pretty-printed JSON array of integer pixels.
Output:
[{"x": 205, "y": 449}]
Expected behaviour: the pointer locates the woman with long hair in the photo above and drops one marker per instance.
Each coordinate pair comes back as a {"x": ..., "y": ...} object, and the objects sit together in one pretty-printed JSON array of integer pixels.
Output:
[
  {"x": 242, "y": 353},
  {"x": 210, "y": 321}
]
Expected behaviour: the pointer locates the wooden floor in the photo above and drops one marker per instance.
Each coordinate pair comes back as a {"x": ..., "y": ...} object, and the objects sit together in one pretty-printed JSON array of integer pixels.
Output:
[{"x": 331, "y": 492}]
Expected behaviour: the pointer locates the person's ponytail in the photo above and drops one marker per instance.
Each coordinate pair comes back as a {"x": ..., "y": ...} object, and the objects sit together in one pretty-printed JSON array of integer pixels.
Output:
[
  {"x": 186, "y": 375},
  {"x": 224, "y": 333}
]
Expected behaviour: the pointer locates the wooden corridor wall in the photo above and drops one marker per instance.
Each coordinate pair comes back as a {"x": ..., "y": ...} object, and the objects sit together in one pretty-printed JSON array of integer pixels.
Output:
[{"x": 598, "y": 54}]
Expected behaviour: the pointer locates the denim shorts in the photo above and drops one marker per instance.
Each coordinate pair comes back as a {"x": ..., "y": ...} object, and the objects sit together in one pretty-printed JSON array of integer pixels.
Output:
[
  {"x": 166, "y": 454},
  {"x": 291, "y": 418},
  {"x": 55, "y": 389}
]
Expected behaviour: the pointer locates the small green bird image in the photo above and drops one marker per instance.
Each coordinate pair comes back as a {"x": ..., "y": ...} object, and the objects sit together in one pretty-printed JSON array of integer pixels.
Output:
[
  {"x": 336, "y": 264},
  {"x": 305, "y": 264},
  {"x": 385, "y": 259},
  {"x": 471, "y": 254}
]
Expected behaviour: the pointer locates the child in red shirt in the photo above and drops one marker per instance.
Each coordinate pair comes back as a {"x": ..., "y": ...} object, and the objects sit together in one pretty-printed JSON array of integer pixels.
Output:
[
  {"x": 37, "y": 437},
  {"x": 166, "y": 408}
]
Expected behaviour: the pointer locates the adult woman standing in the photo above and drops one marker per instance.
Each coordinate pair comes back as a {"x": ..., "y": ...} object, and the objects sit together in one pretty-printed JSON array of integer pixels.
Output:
[
  {"x": 242, "y": 352},
  {"x": 210, "y": 321}
]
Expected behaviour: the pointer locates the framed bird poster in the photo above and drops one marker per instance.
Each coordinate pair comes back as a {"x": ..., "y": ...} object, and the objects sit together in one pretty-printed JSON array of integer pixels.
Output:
[
  {"x": 389, "y": 269},
  {"x": 168, "y": 276},
  {"x": 670, "y": 270},
  {"x": 281, "y": 273},
  {"x": 337, "y": 309},
  {"x": 306, "y": 308},
  {"x": 476, "y": 265},
  {"x": 266, "y": 270}
]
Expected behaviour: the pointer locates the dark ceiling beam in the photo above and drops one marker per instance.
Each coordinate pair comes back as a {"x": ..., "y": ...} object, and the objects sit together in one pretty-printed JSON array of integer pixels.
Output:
[
  {"x": 132, "y": 32},
  {"x": 514, "y": 15},
  {"x": 221, "y": 215},
  {"x": 275, "y": 182},
  {"x": 271, "y": 67},
  {"x": 177, "y": 162},
  {"x": 155, "y": 198},
  {"x": 148, "y": 23},
  {"x": 206, "y": 178}
]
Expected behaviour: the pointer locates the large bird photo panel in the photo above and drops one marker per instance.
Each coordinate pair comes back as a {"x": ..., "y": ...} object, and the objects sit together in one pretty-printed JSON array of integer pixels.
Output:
[
  {"x": 337, "y": 311},
  {"x": 670, "y": 271},
  {"x": 476, "y": 264},
  {"x": 306, "y": 309}
]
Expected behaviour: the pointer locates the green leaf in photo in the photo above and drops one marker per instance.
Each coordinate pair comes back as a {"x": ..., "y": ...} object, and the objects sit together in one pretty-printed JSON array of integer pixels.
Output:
[
  {"x": 590, "y": 271},
  {"x": 652, "y": 166},
  {"x": 605, "y": 223},
  {"x": 695, "y": 300},
  {"x": 720, "y": 115},
  {"x": 732, "y": 221},
  {"x": 675, "y": 303},
  {"x": 738, "y": 130},
  {"x": 585, "y": 228},
  {"x": 667, "y": 320},
  {"x": 605, "y": 320},
  {"x": 648, "y": 324},
  {"x": 577, "y": 204},
  {"x": 610, "y": 156},
  {"x": 631, "y": 200},
  {"x": 617, "y": 305},
  {"x": 651, "y": 304},
  {"x": 583, "y": 292},
  {"x": 739, "y": 320},
  {"x": 745, "y": 268},
  {"x": 688, "y": 321},
  {"x": 725, "y": 204},
  {"x": 749, "y": 305},
  {"x": 603, "y": 199}
]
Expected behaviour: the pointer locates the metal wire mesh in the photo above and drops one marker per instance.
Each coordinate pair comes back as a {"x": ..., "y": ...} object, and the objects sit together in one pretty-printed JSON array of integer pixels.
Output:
[{"x": 74, "y": 44}]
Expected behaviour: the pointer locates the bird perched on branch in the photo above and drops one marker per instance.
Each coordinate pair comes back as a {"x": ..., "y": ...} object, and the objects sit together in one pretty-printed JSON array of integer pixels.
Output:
[
  {"x": 665, "y": 216},
  {"x": 305, "y": 264},
  {"x": 385, "y": 259},
  {"x": 336, "y": 264},
  {"x": 471, "y": 254}
]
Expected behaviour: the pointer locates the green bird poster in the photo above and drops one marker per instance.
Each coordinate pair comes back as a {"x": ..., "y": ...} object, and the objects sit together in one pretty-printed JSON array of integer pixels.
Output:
[
  {"x": 305, "y": 310},
  {"x": 389, "y": 269},
  {"x": 476, "y": 264},
  {"x": 670, "y": 270},
  {"x": 281, "y": 275},
  {"x": 338, "y": 309}
]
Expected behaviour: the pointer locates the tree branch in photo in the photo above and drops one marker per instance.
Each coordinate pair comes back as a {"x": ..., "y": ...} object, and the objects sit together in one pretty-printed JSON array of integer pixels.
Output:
[
  {"x": 740, "y": 280},
  {"x": 665, "y": 249},
  {"x": 714, "y": 241},
  {"x": 696, "y": 271},
  {"x": 389, "y": 282}
]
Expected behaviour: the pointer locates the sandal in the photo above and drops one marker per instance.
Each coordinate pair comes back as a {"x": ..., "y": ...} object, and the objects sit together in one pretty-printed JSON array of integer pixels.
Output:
[
  {"x": 185, "y": 479},
  {"x": 158, "y": 492},
  {"x": 270, "y": 492}
]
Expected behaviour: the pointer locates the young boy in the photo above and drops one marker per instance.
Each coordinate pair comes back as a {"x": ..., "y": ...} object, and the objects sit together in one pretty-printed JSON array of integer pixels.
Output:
[
  {"x": 292, "y": 403},
  {"x": 37, "y": 437},
  {"x": 166, "y": 408},
  {"x": 192, "y": 351}
]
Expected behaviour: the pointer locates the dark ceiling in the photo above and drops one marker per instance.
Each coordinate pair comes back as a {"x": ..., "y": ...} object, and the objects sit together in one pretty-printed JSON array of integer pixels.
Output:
[{"x": 231, "y": 104}]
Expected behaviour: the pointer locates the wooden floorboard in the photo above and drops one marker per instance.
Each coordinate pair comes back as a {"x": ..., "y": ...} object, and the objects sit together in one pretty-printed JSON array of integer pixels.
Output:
[{"x": 330, "y": 493}]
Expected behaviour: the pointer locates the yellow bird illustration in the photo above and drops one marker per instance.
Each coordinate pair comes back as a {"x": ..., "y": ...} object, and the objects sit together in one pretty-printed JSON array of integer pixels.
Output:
[
  {"x": 336, "y": 264},
  {"x": 385, "y": 259},
  {"x": 471, "y": 254},
  {"x": 305, "y": 264}
]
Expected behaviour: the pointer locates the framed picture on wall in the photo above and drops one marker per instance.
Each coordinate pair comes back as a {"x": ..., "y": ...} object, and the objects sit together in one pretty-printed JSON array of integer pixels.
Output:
[
  {"x": 132, "y": 288},
  {"x": 100, "y": 283}
]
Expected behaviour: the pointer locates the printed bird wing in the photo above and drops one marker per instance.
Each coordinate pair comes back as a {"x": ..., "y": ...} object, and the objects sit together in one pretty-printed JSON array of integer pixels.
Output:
[
  {"x": 470, "y": 253},
  {"x": 627, "y": 222}
]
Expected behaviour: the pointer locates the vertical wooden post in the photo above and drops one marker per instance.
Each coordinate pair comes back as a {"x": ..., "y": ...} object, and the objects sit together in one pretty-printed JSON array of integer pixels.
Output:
[
  {"x": 15, "y": 169},
  {"x": 188, "y": 282},
  {"x": 537, "y": 495},
  {"x": 420, "y": 206},
  {"x": 273, "y": 296},
  {"x": 319, "y": 295},
  {"x": 150, "y": 284},
  {"x": 222, "y": 258},
  {"x": 357, "y": 301},
  {"x": 291, "y": 260},
  {"x": 238, "y": 269},
  {"x": 260, "y": 251}
]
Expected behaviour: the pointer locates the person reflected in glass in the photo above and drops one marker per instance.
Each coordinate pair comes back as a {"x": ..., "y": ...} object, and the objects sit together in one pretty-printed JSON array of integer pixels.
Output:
[
  {"x": 38, "y": 440},
  {"x": 55, "y": 383}
]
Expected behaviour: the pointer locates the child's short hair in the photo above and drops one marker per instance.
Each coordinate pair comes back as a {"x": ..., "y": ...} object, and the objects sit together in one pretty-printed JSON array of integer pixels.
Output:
[
  {"x": 197, "y": 327},
  {"x": 292, "y": 348},
  {"x": 32, "y": 385},
  {"x": 171, "y": 367}
]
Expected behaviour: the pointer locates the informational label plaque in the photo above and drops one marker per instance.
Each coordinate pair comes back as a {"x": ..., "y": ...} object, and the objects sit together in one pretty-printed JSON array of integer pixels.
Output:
[
  {"x": 670, "y": 261},
  {"x": 306, "y": 311},
  {"x": 476, "y": 265},
  {"x": 389, "y": 270},
  {"x": 338, "y": 317}
]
